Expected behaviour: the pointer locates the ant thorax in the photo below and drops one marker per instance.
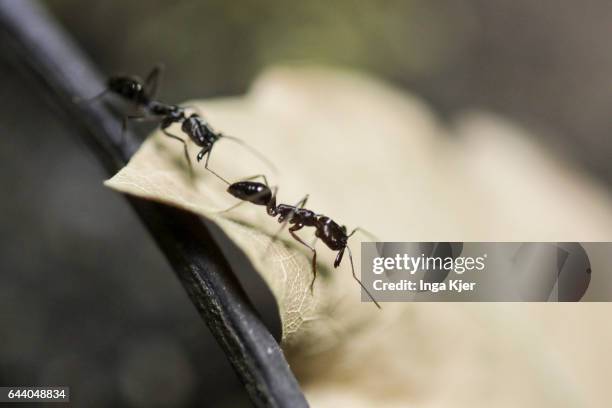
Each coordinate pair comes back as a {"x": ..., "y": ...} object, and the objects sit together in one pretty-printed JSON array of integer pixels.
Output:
[
  {"x": 199, "y": 131},
  {"x": 296, "y": 215}
]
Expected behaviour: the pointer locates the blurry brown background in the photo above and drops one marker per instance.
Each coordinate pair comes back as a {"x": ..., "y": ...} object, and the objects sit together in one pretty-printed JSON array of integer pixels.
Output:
[{"x": 85, "y": 298}]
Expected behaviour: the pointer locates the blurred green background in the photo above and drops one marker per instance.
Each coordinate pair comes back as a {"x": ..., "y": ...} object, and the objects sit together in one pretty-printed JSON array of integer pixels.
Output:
[{"x": 85, "y": 297}]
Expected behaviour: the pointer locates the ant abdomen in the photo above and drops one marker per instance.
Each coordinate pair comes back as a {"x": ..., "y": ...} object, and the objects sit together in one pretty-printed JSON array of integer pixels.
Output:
[
  {"x": 128, "y": 88},
  {"x": 251, "y": 191}
]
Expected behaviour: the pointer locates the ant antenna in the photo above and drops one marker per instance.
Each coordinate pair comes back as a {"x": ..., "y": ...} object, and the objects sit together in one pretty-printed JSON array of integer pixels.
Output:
[
  {"x": 218, "y": 176},
  {"x": 357, "y": 279},
  {"x": 365, "y": 232},
  {"x": 206, "y": 152},
  {"x": 254, "y": 151}
]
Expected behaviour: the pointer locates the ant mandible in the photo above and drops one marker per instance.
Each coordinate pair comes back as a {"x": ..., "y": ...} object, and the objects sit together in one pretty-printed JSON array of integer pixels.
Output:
[
  {"x": 142, "y": 96},
  {"x": 334, "y": 236}
]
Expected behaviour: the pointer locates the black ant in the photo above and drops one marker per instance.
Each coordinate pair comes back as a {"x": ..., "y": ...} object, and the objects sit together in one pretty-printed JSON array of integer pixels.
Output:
[
  {"x": 326, "y": 229},
  {"x": 142, "y": 96}
]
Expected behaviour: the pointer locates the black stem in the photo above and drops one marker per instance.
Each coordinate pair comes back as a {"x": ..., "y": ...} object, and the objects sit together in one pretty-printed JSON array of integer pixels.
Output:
[{"x": 30, "y": 37}]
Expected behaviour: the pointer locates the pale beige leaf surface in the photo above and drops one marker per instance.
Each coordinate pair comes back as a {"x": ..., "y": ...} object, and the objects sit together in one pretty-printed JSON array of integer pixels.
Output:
[{"x": 375, "y": 157}]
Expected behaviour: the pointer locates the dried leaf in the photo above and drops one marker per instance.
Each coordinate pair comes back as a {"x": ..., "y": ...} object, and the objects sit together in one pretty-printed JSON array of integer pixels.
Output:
[{"x": 372, "y": 156}]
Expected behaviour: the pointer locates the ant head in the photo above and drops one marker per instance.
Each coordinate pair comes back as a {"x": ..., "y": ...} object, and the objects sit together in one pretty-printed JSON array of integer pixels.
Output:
[
  {"x": 126, "y": 87},
  {"x": 345, "y": 235},
  {"x": 251, "y": 191}
]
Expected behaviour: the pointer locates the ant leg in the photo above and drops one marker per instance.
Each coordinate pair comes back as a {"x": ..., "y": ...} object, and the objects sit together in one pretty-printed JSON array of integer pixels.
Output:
[
  {"x": 314, "y": 241},
  {"x": 124, "y": 124},
  {"x": 254, "y": 151},
  {"x": 314, "y": 253},
  {"x": 136, "y": 118},
  {"x": 233, "y": 207},
  {"x": 353, "y": 270},
  {"x": 153, "y": 80},
  {"x": 314, "y": 263},
  {"x": 79, "y": 100},
  {"x": 263, "y": 177},
  {"x": 206, "y": 152},
  {"x": 300, "y": 204},
  {"x": 185, "y": 151}
]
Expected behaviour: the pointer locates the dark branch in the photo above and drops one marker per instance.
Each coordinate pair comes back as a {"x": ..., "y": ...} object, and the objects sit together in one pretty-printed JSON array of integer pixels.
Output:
[{"x": 31, "y": 38}]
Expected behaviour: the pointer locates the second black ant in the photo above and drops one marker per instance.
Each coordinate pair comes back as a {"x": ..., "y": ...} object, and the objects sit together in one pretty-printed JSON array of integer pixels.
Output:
[
  {"x": 334, "y": 236},
  {"x": 142, "y": 96}
]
